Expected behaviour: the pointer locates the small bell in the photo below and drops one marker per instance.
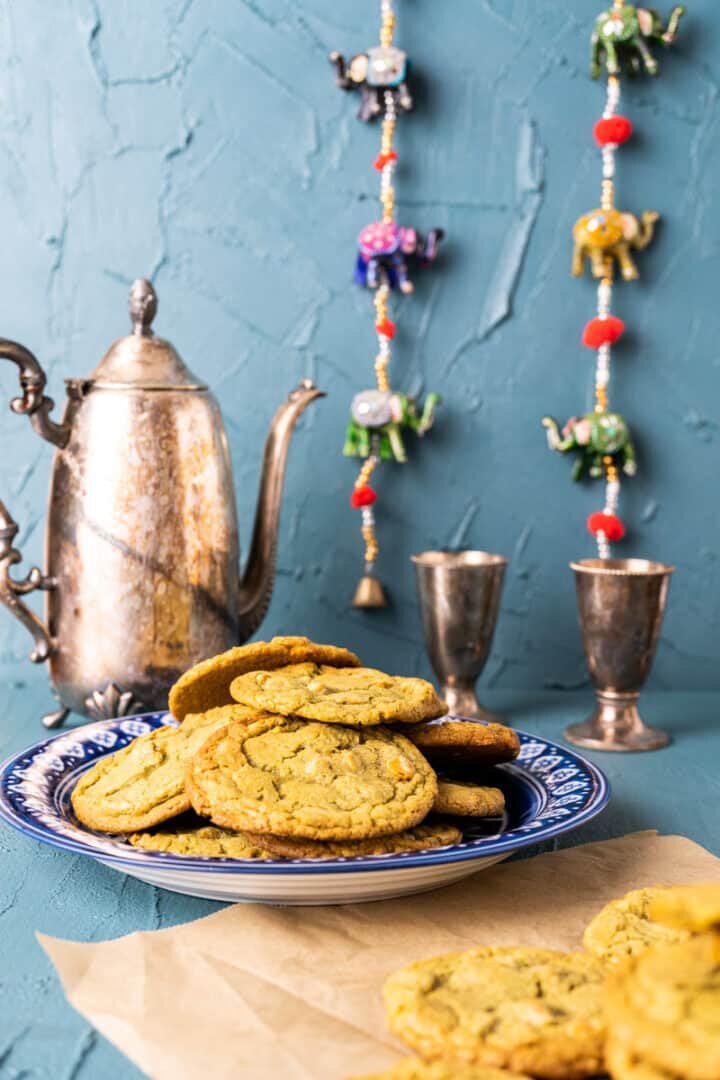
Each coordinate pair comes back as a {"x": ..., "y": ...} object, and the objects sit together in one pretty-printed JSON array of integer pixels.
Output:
[{"x": 369, "y": 593}]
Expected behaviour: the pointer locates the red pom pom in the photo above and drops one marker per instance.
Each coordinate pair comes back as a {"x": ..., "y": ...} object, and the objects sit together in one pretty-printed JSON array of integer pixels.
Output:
[
  {"x": 603, "y": 332},
  {"x": 386, "y": 327},
  {"x": 613, "y": 131},
  {"x": 363, "y": 496},
  {"x": 384, "y": 159},
  {"x": 607, "y": 523}
]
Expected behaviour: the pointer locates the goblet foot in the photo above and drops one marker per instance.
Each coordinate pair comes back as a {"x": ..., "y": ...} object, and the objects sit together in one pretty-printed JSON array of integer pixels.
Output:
[
  {"x": 462, "y": 701},
  {"x": 616, "y": 725}
]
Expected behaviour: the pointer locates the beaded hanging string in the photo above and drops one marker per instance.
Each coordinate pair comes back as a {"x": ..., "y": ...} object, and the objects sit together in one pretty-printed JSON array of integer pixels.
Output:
[
  {"x": 607, "y": 237},
  {"x": 387, "y": 254}
]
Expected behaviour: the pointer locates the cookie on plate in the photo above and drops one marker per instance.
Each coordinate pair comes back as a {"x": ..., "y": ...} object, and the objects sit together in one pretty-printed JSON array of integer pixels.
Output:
[
  {"x": 416, "y": 1069},
  {"x": 191, "y": 835},
  {"x": 351, "y": 696},
  {"x": 463, "y": 799},
  {"x": 290, "y": 777},
  {"x": 688, "y": 907},
  {"x": 663, "y": 1006},
  {"x": 532, "y": 1010},
  {"x": 207, "y": 684},
  {"x": 421, "y": 838},
  {"x": 625, "y": 927},
  {"x": 452, "y": 741},
  {"x": 144, "y": 783}
]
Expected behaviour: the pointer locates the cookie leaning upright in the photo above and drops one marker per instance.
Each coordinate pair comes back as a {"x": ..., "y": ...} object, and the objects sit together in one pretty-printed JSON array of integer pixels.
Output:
[
  {"x": 143, "y": 784},
  {"x": 206, "y": 685},
  {"x": 290, "y": 777},
  {"x": 625, "y": 927},
  {"x": 692, "y": 908},
  {"x": 333, "y": 695},
  {"x": 530, "y": 1010},
  {"x": 663, "y": 1009}
]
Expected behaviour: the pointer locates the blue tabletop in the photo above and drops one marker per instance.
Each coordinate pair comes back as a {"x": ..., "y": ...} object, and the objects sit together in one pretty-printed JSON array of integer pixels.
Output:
[{"x": 675, "y": 790}]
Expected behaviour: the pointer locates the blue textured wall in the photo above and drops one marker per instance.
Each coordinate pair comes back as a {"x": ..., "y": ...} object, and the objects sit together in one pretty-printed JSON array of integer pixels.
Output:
[{"x": 203, "y": 143}]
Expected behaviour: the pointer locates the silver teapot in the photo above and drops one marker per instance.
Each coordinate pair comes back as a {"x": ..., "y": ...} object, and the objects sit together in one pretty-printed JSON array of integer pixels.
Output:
[{"x": 142, "y": 551}]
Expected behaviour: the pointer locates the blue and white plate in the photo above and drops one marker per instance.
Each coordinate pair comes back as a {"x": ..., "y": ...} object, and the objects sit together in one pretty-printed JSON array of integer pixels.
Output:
[{"x": 549, "y": 790}]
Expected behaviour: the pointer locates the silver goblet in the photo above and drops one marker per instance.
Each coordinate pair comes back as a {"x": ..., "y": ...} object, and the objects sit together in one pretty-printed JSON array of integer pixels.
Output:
[
  {"x": 459, "y": 595},
  {"x": 621, "y": 604}
]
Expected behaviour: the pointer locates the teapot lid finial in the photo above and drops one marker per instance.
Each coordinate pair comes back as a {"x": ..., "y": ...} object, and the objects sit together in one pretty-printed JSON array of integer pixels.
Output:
[{"x": 142, "y": 304}]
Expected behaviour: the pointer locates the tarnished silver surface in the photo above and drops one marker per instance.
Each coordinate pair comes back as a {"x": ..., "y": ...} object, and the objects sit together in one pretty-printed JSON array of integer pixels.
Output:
[
  {"x": 111, "y": 702},
  {"x": 621, "y": 604},
  {"x": 11, "y": 590},
  {"x": 459, "y": 602},
  {"x": 142, "y": 538}
]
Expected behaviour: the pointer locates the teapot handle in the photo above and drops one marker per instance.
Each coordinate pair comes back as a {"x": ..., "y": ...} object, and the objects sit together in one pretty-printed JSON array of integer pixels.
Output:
[
  {"x": 33, "y": 402},
  {"x": 11, "y": 590}
]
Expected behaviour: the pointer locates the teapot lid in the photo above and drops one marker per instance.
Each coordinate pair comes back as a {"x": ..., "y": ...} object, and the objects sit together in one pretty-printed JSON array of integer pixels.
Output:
[{"x": 140, "y": 359}]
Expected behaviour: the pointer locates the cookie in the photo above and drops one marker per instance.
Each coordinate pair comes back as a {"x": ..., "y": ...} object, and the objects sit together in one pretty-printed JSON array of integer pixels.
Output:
[
  {"x": 192, "y": 835},
  {"x": 351, "y": 696},
  {"x": 143, "y": 784},
  {"x": 450, "y": 742},
  {"x": 623, "y": 1064},
  {"x": 532, "y": 1010},
  {"x": 464, "y": 799},
  {"x": 625, "y": 928},
  {"x": 290, "y": 777},
  {"x": 663, "y": 1005},
  {"x": 207, "y": 684},
  {"x": 421, "y": 838},
  {"x": 688, "y": 907},
  {"x": 416, "y": 1069}
]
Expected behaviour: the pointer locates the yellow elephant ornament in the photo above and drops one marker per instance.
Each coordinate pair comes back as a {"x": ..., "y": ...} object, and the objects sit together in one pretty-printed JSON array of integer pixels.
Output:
[{"x": 604, "y": 236}]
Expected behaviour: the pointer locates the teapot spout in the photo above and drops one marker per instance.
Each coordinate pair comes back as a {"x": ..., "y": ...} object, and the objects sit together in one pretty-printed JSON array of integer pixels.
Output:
[{"x": 257, "y": 582}]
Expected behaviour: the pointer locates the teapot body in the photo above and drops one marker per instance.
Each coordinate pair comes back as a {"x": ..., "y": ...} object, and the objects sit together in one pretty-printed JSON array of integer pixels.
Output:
[
  {"x": 142, "y": 576},
  {"x": 142, "y": 542}
]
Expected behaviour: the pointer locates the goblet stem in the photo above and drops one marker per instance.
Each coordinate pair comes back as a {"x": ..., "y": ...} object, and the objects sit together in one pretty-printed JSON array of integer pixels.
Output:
[
  {"x": 461, "y": 700},
  {"x": 616, "y": 725}
]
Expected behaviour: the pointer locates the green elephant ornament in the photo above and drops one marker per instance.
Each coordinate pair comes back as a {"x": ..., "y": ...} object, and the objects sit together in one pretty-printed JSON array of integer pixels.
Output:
[
  {"x": 621, "y": 35},
  {"x": 595, "y": 437},
  {"x": 377, "y": 421}
]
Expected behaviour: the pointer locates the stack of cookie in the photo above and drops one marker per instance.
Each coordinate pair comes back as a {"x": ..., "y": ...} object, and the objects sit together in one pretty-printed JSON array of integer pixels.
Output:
[
  {"x": 290, "y": 749},
  {"x": 643, "y": 1002}
]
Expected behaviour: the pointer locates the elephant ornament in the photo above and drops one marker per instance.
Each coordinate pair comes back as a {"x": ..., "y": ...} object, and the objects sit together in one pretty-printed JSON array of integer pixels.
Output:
[
  {"x": 599, "y": 439},
  {"x": 621, "y": 36},
  {"x": 604, "y": 236},
  {"x": 377, "y": 421},
  {"x": 387, "y": 252},
  {"x": 379, "y": 75}
]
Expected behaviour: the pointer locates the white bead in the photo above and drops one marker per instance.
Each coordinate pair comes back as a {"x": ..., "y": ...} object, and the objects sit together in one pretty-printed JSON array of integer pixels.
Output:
[
  {"x": 368, "y": 518},
  {"x": 602, "y": 545}
]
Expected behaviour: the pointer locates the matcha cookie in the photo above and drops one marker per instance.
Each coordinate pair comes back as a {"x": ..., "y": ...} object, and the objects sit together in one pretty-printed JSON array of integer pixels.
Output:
[
  {"x": 625, "y": 928},
  {"x": 468, "y": 800},
  {"x": 350, "y": 696},
  {"x": 451, "y": 742},
  {"x": 192, "y": 835},
  {"x": 207, "y": 684},
  {"x": 688, "y": 907},
  {"x": 531, "y": 1010},
  {"x": 415, "y": 1069},
  {"x": 313, "y": 781},
  {"x": 421, "y": 838},
  {"x": 664, "y": 1006},
  {"x": 143, "y": 784}
]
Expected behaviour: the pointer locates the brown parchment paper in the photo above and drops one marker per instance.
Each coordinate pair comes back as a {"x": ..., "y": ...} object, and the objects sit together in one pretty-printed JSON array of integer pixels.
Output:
[{"x": 294, "y": 993}]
